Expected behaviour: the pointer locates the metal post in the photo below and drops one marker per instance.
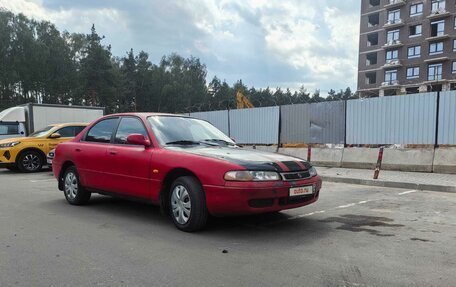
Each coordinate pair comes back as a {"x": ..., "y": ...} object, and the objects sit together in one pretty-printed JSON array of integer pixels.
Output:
[
  {"x": 379, "y": 163},
  {"x": 309, "y": 153}
]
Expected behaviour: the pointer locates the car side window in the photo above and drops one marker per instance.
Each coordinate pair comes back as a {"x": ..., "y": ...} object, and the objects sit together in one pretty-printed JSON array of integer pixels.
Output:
[
  {"x": 78, "y": 130},
  {"x": 127, "y": 127},
  {"x": 66, "y": 132},
  {"x": 102, "y": 131}
]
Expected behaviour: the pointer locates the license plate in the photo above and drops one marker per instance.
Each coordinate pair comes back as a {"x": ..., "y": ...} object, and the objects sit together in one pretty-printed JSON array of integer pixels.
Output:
[
  {"x": 301, "y": 191},
  {"x": 49, "y": 161}
]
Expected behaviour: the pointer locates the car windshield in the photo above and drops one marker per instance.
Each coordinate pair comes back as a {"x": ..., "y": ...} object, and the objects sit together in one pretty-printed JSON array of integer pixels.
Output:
[
  {"x": 171, "y": 130},
  {"x": 42, "y": 132}
]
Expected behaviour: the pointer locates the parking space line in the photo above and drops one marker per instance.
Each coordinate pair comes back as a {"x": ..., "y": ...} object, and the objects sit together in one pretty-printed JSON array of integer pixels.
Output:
[{"x": 407, "y": 192}]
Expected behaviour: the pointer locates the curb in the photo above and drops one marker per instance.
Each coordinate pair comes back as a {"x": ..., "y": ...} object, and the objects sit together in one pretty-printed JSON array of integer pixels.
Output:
[{"x": 391, "y": 184}]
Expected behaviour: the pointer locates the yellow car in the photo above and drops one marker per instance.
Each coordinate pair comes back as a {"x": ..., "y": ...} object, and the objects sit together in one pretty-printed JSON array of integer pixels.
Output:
[{"x": 28, "y": 154}]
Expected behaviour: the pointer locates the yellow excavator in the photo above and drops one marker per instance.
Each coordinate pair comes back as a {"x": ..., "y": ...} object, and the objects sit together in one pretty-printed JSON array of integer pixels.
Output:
[{"x": 242, "y": 101}]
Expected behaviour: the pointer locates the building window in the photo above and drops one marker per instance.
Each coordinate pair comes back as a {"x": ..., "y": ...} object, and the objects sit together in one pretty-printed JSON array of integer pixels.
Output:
[
  {"x": 394, "y": 16},
  {"x": 413, "y": 73},
  {"x": 453, "y": 70},
  {"x": 373, "y": 3},
  {"x": 373, "y": 20},
  {"x": 454, "y": 45},
  {"x": 391, "y": 77},
  {"x": 435, "y": 72},
  {"x": 372, "y": 39},
  {"x": 416, "y": 9},
  {"x": 371, "y": 78},
  {"x": 414, "y": 52},
  {"x": 391, "y": 56},
  {"x": 371, "y": 59},
  {"x": 438, "y": 5},
  {"x": 392, "y": 36},
  {"x": 436, "y": 48},
  {"x": 437, "y": 28},
  {"x": 416, "y": 30}
]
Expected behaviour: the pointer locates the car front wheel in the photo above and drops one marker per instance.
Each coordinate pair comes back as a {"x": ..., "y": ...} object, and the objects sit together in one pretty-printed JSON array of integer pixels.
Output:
[
  {"x": 187, "y": 204},
  {"x": 30, "y": 161},
  {"x": 74, "y": 192}
]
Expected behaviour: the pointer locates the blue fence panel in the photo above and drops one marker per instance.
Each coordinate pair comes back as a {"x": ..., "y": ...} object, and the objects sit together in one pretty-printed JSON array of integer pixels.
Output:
[
  {"x": 408, "y": 119},
  {"x": 255, "y": 126},
  {"x": 447, "y": 118}
]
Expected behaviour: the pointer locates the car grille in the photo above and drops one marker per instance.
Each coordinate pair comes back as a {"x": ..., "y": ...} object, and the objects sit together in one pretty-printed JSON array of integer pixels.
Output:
[{"x": 293, "y": 176}]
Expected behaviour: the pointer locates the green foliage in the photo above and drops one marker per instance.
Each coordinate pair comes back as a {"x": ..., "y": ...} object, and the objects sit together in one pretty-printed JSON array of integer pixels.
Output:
[{"x": 38, "y": 63}]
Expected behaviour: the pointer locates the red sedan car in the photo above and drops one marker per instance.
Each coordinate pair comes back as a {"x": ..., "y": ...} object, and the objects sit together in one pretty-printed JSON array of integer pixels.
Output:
[{"x": 185, "y": 165}]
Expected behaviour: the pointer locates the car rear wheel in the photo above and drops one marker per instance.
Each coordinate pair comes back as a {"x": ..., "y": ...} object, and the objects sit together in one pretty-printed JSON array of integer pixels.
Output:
[
  {"x": 187, "y": 204},
  {"x": 30, "y": 161},
  {"x": 75, "y": 194}
]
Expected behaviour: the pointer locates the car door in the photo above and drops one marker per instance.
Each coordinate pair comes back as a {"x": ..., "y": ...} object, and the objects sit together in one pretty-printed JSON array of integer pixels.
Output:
[
  {"x": 129, "y": 165},
  {"x": 90, "y": 154}
]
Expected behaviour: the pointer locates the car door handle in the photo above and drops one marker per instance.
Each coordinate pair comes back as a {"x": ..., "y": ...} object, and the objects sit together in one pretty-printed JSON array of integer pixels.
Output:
[
  {"x": 78, "y": 150},
  {"x": 112, "y": 152}
]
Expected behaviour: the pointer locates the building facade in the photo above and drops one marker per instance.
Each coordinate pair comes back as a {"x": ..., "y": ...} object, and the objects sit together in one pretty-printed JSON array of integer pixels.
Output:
[{"x": 406, "y": 46}]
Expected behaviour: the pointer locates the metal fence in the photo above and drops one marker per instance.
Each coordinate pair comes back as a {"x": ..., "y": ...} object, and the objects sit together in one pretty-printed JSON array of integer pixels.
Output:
[
  {"x": 407, "y": 119},
  {"x": 447, "y": 118}
]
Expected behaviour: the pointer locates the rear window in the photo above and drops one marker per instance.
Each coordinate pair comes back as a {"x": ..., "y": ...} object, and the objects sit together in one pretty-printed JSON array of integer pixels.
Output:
[{"x": 102, "y": 131}]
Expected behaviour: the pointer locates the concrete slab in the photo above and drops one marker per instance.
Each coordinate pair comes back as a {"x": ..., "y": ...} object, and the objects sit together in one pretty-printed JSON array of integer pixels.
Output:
[
  {"x": 414, "y": 160},
  {"x": 360, "y": 157},
  {"x": 297, "y": 152},
  {"x": 445, "y": 160},
  {"x": 329, "y": 157}
]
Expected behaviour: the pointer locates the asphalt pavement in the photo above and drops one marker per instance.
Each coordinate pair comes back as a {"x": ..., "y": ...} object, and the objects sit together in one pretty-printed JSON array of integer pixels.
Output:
[{"x": 353, "y": 236}]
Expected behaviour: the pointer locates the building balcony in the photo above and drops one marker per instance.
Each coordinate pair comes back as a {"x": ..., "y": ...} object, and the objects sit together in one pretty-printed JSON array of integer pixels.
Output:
[
  {"x": 392, "y": 64},
  {"x": 392, "y": 44},
  {"x": 395, "y": 3},
  {"x": 439, "y": 37},
  {"x": 440, "y": 13},
  {"x": 389, "y": 84},
  {"x": 393, "y": 23},
  {"x": 436, "y": 60}
]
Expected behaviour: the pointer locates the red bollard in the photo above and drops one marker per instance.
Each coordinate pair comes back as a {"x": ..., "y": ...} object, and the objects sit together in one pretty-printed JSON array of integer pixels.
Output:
[
  {"x": 379, "y": 163},
  {"x": 309, "y": 153}
]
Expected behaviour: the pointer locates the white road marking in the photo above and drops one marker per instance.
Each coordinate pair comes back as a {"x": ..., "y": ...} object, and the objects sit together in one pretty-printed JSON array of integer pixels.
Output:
[
  {"x": 347, "y": 205},
  {"x": 407, "y": 192},
  {"x": 42, "y": 180}
]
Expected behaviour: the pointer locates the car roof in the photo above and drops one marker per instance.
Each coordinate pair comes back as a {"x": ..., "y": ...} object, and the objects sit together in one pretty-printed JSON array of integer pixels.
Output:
[
  {"x": 68, "y": 124},
  {"x": 150, "y": 114}
]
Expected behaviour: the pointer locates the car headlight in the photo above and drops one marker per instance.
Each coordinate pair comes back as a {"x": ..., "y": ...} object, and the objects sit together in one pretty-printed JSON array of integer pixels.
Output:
[
  {"x": 312, "y": 171},
  {"x": 51, "y": 154},
  {"x": 246, "y": 175},
  {"x": 12, "y": 144}
]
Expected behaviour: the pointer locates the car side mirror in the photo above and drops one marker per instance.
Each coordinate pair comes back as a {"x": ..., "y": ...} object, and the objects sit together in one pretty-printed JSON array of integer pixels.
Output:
[
  {"x": 55, "y": 136},
  {"x": 138, "y": 139},
  {"x": 233, "y": 140}
]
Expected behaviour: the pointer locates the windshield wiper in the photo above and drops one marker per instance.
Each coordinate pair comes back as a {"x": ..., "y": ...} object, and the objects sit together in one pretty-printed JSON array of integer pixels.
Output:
[
  {"x": 220, "y": 141},
  {"x": 189, "y": 142}
]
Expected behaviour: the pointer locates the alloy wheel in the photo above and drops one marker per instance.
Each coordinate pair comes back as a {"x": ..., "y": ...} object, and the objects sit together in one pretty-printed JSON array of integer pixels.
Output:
[{"x": 31, "y": 162}]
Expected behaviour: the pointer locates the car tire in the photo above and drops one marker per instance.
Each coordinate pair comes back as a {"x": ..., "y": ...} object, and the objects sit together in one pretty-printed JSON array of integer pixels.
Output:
[
  {"x": 187, "y": 204},
  {"x": 74, "y": 192},
  {"x": 30, "y": 161}
]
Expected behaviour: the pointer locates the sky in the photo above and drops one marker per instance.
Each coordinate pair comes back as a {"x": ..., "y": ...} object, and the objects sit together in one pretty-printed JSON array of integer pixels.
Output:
[{"x": 266, "y": 43}]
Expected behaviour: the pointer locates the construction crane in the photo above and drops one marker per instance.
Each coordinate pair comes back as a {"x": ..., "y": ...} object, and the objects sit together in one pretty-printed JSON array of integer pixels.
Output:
[{"x": 242, "y": 101}]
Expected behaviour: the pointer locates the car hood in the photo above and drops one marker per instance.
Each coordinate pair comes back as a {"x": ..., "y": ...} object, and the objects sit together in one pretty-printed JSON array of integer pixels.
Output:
[{"x": 250, "y": 159}]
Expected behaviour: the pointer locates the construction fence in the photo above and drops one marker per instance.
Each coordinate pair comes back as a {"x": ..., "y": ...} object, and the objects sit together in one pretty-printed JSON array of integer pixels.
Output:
[{"x": 424, "y": 119}]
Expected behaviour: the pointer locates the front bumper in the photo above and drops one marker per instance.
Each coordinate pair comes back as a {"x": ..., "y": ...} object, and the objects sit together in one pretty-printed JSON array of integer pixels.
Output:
[
  {"x": 255, "y": 198},
  {"x": 6, "y": 157}
]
